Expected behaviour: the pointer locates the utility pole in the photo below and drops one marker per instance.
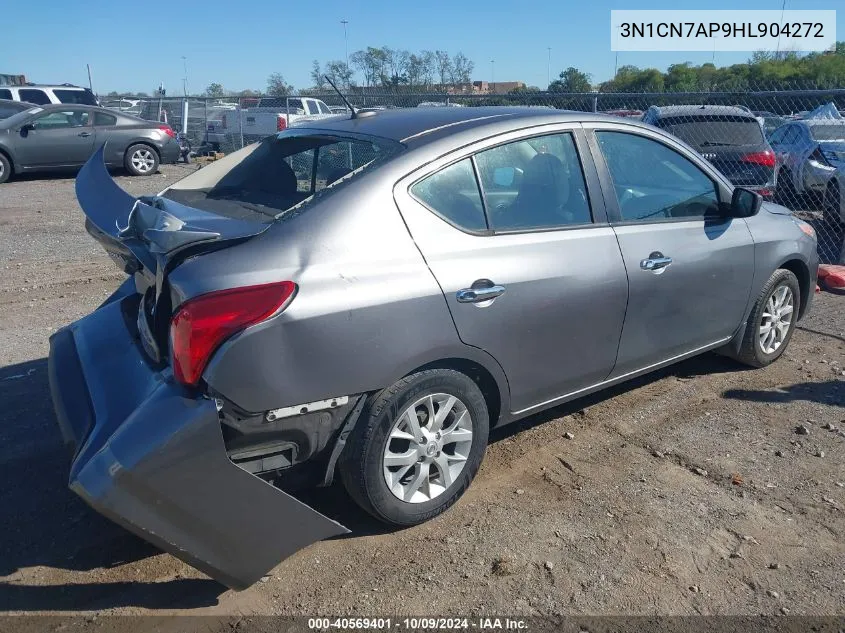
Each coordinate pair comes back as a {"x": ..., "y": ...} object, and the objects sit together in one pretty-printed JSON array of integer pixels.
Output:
[
  {"x": 549, "y": 69},
  {"x": 90, "y": 84},
  {"x": 777, "y": 49},
  {"x": 493, "y": 74}
]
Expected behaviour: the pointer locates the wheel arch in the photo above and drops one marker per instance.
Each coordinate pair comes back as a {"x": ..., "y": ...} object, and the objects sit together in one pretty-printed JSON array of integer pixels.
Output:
[
  {"x": 142, "y": 141},
  {"x": 8, "y": 156},
  {"x": 799, "y": 268}
]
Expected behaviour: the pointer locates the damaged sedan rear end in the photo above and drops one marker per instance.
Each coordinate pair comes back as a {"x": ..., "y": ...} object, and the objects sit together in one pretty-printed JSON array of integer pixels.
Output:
[{"x": 192, "y": 387}]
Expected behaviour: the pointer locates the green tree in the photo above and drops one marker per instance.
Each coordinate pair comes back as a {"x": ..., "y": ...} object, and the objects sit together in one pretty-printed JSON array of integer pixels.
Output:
[
  {"x": 215, "y": 90},
  {"x": 277, "y": 86},
  {"x": 318, "y": 78},
  {"x": 571, "y": 80}
]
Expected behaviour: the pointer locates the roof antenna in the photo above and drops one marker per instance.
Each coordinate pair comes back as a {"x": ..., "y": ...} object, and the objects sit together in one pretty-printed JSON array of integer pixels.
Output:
[{"x": 345, "y": 100}]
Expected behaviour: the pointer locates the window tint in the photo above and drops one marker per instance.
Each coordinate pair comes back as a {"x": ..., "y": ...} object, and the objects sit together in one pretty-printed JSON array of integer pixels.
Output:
[
  {"x": 5, "y": 93},
  {"x": 535, "y": 183},
  {"x": 81, "y": 97},
  {"x": 791, "y": 135},
  {"x": 453, "y": 194},
  {"x": 38, "y": 97},
  {"x": 654, "y": 182},
  {"x": 714, "y": 130},
  {"x": 101, "y": 118},
  {"x": 8, "y": 109},
  {"x": 55, "y": 120},
  {"x": 324, "y": 109},
  {"x": 777, "y": 136},
  {"x": 831, "y": 132}
]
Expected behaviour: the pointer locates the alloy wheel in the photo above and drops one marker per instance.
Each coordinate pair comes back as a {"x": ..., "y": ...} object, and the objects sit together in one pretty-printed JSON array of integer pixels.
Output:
[
  {"x": 427, "y": 448},
  {"x": 143, "y": 160},
  {"x": 777, "y": 319}
]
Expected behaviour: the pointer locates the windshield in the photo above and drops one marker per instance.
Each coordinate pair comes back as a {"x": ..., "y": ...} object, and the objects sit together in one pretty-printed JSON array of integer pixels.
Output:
[
  {"x": 714, "y": 131},
  {"x": 828, "y": 132},
  {"x": 280, "y": 173},
  {"x": 20, "y": 117}
]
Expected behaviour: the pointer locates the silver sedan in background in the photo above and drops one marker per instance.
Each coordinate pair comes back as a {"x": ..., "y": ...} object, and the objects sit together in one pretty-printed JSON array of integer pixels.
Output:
[{"x": 372, "y": 294}]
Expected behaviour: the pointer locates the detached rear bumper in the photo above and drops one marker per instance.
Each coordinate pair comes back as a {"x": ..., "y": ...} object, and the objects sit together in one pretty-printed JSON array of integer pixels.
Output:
[{"x": 150, "y": 456}]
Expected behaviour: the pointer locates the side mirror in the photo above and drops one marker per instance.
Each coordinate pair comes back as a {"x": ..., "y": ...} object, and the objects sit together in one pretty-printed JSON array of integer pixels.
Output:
[
  {"x": 745, "y": 203},
  {"x": 27, "y": 128},
  {"x": 503, "y": 176}
]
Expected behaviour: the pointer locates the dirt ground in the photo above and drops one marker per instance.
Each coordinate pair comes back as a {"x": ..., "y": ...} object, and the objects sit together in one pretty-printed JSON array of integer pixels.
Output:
[{"x": 686, "y": 492}]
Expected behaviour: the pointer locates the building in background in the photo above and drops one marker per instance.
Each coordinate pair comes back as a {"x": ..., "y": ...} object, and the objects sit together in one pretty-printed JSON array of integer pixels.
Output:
[{"x": 12, "y": 80}]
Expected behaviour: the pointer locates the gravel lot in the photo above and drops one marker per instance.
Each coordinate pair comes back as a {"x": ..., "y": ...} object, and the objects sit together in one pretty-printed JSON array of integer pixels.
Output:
[{"x": 685, "y": 492}]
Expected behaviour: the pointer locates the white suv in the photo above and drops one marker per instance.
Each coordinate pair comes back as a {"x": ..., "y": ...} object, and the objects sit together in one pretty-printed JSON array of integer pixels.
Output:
[{"x": 43, "y": 95}]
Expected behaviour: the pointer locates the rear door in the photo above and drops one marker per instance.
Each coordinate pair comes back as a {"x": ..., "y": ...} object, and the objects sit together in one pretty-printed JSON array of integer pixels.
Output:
[
  {"x": 690, "y": 269},
  {"x": 60, "y": 138},
  {"x": 515, "y": 232}
]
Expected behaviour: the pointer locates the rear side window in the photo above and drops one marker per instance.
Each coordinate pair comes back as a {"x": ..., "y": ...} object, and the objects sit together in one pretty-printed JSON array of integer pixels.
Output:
[
  {"x": 653, "y": 182},
  {"x": 80, "y": 97},
  {"x": 714, "y": 130},
  {"x": 5, "y": 94},
  {"x": 324, "y": 109},
  {"x": 101, "y": 118},
  {"x": 534, "y": 184},
  {"x": 38, "y": 97},
  {"x": 453, "y": 194}
]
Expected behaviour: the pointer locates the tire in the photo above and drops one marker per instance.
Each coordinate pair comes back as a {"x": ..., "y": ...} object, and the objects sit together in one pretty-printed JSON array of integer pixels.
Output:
[
  {"x": 752, "y": 351},
  {"x": 141, "y": 160},
  {"x": 5, "y": 169},
  {"x": 384, "y": 428},
  {"x": 832, "y": 205}
]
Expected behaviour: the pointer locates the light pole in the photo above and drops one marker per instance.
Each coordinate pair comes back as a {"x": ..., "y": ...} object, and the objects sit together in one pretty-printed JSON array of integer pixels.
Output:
[
  {"x": 782, "y": 8},
  {"x": 549, "y": 69},
  {"x": 185, "y": 76},
  {"x": 346, "y": 42},
  {"x": 493, "y": 74}
]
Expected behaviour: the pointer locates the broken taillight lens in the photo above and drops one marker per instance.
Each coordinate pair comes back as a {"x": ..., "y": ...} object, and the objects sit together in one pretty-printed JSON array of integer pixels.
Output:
[{"x": 203, "y": 323}]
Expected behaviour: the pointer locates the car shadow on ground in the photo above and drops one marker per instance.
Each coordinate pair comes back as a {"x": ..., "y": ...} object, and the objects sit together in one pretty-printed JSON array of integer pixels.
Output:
[
  {"x": 819, "y": 392},
  {"x": 49, "y": 526}
]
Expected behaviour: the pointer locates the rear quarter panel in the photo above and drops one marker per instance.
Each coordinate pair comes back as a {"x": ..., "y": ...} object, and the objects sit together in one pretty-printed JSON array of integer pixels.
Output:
[{"x": 367, "y": 311}]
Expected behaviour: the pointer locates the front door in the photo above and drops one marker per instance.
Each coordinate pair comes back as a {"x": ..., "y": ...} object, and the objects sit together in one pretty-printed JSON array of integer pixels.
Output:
[
  {"x": 528, "y": 265},
  {"x": 60, "y": 138},
  {"x": 690, "y": 268}
]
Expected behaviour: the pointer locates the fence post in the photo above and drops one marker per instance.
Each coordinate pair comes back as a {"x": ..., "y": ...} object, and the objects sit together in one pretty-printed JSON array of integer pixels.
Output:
[
  {"x": 595, "y": 102},
  {"x": 241, "y": 123}
]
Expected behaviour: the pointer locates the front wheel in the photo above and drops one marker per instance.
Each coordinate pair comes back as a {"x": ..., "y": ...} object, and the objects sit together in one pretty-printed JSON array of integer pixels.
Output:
[
  {"x": 141, "y": 160},
  {"x": 5, "y": 169},
  {"x": 417, "y": 447},
  {"x": 772, "y": 321}
]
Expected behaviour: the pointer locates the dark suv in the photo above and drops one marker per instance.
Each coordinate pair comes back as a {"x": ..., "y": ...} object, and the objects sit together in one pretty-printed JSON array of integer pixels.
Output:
[{"x": 730, "y": 137}]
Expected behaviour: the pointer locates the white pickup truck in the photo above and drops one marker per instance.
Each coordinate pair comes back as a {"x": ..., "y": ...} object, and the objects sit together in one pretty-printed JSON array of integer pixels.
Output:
[{"x": 260, "y": 117}]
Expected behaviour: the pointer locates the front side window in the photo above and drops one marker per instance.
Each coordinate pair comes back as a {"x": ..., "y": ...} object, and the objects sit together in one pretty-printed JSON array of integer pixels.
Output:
[
  {"x": 5, "y": 93},
  {"x": 452, "y": 193},
  {"x": 38, "y": 97},
  {"x": 534, "y": 184},
  {"x": 653, "y": 182},
  {"x": 65, "y": 119},
  {"x": 324, "y": 109}
]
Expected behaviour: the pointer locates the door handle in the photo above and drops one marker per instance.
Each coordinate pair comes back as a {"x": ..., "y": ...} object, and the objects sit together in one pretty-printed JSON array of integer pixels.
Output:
[
  {"x": 84, "y": 134},
  {"x": 655, "y": 261},
  {"x": 478, "y": 293}
]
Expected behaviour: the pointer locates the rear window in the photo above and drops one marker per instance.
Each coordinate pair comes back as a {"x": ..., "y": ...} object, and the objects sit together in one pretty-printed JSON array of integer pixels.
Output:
[
  {"x": 282, "y": 172},
  {"x": 828, "y": 132},
  {"x": 714, "y": 130},
  {"x": 80, "y": 97}
]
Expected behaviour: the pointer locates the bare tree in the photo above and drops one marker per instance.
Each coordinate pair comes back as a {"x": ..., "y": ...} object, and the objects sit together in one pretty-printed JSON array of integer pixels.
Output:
[
  {"x": 339, "y": 73},
  {"x": 317, "y": 76},
  {"x": 277, "y": 86},
  {"x": 443, "y": 65},
  {"x": 462, "y": 68}
]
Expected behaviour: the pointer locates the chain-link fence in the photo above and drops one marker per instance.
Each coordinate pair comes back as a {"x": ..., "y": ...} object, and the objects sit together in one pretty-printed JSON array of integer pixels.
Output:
[{"x": 789, "y": 145}]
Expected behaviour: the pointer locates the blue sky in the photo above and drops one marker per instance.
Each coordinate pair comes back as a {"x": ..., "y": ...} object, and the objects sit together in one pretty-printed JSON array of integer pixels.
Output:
[{"x": 238, "y": 43}]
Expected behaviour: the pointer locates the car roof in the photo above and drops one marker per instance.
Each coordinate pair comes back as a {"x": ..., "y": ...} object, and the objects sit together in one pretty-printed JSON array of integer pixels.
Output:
[
  {"x": 50, "y": 86},
  {"x": 417, "y": 126},
  {"x": 699, "y": 110}
]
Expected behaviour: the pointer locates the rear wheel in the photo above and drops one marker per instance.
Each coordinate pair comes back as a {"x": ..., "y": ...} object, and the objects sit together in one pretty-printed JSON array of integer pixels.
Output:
[
  {"x": 417, "y": 447},
  {"x": 5, "y": 169},
  {"x": 772, "y": 321},
  {"x": 832, "y": 205},
  {"x": 141, "y": 160}
]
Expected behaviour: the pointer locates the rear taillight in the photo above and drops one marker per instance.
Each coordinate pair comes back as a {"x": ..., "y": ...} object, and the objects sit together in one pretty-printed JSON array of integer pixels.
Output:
[
  {"x": 765, "y": 158},
  {"x": 167, "y": 130},
  {"x": 202, "y": 324},
  {"x": 281, "y": 123}
]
